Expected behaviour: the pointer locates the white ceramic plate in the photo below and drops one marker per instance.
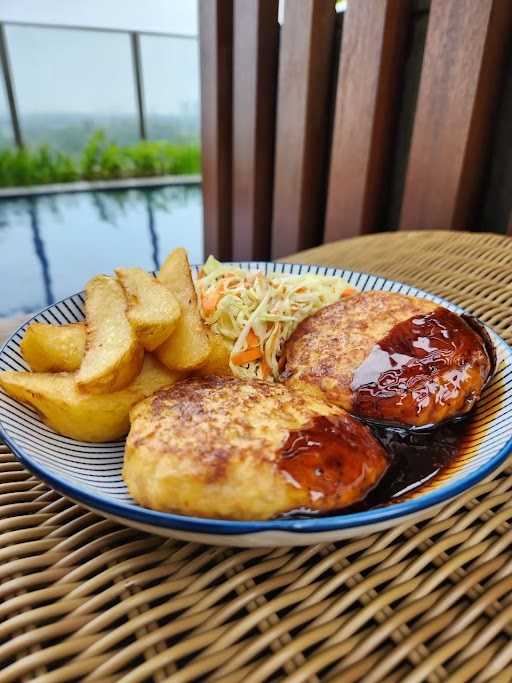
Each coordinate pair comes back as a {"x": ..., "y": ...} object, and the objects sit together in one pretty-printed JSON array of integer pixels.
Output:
[{"x": 91, "y": 473}]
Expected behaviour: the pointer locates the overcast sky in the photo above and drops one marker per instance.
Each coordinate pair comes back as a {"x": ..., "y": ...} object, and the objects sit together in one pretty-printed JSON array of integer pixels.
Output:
[
  {"x": 72, "y": 71},
  {"x": 169, "y": 16}
]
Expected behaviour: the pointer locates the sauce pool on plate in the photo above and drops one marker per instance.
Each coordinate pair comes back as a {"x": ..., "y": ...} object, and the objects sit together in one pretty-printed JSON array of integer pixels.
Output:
[
  {"x": 314, "y": 458},
  {"x": 417, "y": 457}
]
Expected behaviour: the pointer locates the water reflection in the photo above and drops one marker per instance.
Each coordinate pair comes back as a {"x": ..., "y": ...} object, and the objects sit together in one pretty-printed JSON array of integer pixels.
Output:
[
  {"x": 51, "y": 245},
  {"x": 40, "y": 250},
  {"x": 152, "y": 231}
]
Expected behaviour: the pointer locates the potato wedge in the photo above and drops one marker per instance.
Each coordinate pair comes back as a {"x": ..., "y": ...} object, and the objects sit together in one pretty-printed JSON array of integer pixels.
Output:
[
  {"x": 113, "y": 355},
  {"x": 217, "y": 362},
  {"x": 86, "y": 417},
  {"x": 54, "y": 348},
  {"x": 188, "y": 346},
  {"x": 153, "y": 311}
]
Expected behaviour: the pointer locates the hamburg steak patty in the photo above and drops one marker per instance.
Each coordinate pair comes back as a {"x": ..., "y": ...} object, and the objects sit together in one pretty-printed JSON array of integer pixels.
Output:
[
  {"x": 234, "y": 449},
  {"x": 389, "y": 357}
]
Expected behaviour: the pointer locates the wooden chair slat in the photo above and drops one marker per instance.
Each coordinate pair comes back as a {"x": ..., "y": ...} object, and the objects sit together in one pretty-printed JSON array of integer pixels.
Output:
[
  {"x": 462, "y": 64},
  {"x": 256, "y": 39},
  {"x": 371, "y": 66},
  {"x": 216, "y": 56},
  {"x": 304, "y": 82},
  {"x": 496, "y": 209}
]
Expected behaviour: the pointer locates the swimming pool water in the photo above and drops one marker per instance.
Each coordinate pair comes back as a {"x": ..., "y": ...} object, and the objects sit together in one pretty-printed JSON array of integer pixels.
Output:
[{"x": 51, "y": 245}]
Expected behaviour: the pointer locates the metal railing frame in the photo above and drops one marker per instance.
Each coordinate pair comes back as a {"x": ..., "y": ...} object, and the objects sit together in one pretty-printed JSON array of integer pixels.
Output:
[
  {"x": 9, "y": 89},
  {"x": 139, "y": 83},
  {"x": 138, "y": 74}
]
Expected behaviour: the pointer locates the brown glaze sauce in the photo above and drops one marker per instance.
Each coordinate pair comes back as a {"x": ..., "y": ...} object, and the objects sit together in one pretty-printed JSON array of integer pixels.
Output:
[
  {"x": 402, "y": 374},
  {"x": 320, "y": 459},
  {"x": 421, "y": 365},
  {"x": 416, "y": 457}
]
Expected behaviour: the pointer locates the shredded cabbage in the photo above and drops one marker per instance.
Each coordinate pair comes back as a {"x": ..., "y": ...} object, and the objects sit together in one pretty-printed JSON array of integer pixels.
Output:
[{"x": 257, "y": 313}]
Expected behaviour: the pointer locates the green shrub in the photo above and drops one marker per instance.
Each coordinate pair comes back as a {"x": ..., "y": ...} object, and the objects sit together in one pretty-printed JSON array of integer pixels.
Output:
[
  {"x": 33, "y": 167},
  {"x": 101, "y": 159}
]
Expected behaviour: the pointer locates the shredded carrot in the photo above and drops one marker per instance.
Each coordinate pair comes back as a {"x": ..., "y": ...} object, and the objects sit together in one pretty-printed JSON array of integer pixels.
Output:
[
  {"x": 265, "y": 368},
  {"x": 210, "y": 301},
  {"x": 252, "y": 339},
  {"x": 246, "y": 356},
  {"x": 348, "y": 292},
  {"x": 223, "y": 283}
]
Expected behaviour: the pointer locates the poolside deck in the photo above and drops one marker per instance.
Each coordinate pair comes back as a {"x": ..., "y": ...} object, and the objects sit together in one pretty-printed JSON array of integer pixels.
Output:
[{"x": 8, "y": 325}]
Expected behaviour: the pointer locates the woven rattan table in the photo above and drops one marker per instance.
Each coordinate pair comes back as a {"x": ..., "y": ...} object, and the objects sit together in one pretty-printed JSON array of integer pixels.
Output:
[{"x": 82, "y": 598}]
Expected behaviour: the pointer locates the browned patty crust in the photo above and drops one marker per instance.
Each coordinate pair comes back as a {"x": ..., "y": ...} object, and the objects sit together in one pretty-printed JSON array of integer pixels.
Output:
[
  {"x": 228, "y": 448},
  {"x": 388, "y": 356}
]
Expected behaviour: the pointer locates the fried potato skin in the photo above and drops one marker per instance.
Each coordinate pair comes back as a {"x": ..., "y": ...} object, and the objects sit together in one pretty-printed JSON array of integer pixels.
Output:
[
  {"x": 189, "y": 345},
  {"x": 153, "y": 310},
  {"x": 113, "y": 355},
  {"x": 54, "y": 348},
  {"x": 212, "y": 447},
  {"x": 217, "y": 362},
  {"x": 94, "y": 418}
]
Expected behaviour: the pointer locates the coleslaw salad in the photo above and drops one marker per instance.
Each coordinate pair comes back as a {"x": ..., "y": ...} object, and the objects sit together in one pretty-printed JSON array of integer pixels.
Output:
[{"x": 257, "y": 313}]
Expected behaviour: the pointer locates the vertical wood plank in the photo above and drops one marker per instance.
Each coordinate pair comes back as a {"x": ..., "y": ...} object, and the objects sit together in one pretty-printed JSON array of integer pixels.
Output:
[
  {"x": 372, "y": 52},
  {"x": 408, "y": 96},
  {"x": 305, "y": 69},
  {"x": 462, "y": 66},
  {"x": 255, "y": 53},
  {"x": 216, "y": 58},
  {"x": 496, "y": 209}
]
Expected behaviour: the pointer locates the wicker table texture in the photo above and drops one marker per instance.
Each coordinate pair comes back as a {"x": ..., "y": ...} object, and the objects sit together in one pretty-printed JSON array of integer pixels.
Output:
[{"x": 82, "y": 598}]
